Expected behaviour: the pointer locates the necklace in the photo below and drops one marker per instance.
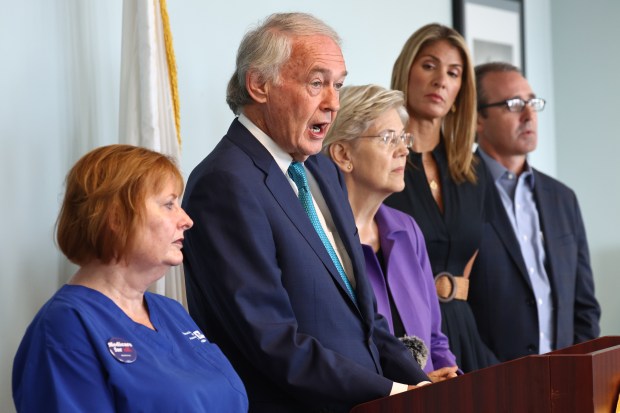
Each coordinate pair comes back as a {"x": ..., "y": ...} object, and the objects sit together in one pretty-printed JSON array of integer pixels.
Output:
[{"x": 430, "y": 169}]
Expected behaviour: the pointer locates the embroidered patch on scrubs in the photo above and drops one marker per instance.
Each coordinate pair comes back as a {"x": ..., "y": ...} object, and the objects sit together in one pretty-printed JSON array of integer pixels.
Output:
[
  {"x": 122, "y": 350},
  {"x": 195, "y": 335}
]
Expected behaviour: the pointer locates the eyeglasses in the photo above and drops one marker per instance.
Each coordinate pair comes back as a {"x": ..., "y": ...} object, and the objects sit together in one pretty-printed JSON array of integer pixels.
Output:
[
  {"x": 518, "y": 104},
  {"x": 392, "y": 138}
]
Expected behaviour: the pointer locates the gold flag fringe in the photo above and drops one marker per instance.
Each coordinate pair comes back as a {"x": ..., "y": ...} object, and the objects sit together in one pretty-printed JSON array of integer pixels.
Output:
[{"x": 172, "y": 68}]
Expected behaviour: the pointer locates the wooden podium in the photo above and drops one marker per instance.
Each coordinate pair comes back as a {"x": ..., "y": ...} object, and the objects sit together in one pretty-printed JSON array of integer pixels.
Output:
[{"x": 583, "y": 378}]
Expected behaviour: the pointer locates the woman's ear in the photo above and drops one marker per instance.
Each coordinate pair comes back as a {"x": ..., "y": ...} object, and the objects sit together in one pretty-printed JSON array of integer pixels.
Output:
[
  {"x": 340, "y": 152},
  {"x": 114, "y": 219},
  {"x": 256, "y": 86}
]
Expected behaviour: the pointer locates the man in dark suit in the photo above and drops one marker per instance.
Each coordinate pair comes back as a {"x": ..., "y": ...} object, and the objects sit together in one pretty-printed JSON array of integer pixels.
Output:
[
  {"x": 531, "y": 288},
  {"x": 286, "y": 301}
]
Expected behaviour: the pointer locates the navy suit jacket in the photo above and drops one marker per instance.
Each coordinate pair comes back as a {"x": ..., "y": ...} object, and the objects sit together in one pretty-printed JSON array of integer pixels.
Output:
[
  {"x": 262, "y": 286},
  {"x": 500, "y": 291}
]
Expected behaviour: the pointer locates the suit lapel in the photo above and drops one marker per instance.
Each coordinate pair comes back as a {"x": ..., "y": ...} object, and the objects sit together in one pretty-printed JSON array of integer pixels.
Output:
[
  {"x": 280, "y": 188},
  {"x": 498, "y": 218},
  {"x": 338, "y": 206},
  {"x": 546, "y": 212},
  {"x": 396, "y": 247}
]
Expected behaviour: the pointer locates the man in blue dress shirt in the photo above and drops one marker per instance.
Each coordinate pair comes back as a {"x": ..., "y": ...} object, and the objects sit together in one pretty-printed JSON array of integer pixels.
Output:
[{"x": 531, "y": 287}]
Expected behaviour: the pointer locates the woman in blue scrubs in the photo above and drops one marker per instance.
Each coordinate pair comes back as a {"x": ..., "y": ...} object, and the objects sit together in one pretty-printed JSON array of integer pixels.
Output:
[{"x": 103, "y": 343}]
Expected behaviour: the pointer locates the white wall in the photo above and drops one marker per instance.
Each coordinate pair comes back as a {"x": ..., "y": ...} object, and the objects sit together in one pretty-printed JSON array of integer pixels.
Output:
[
  {"x": 47, "y": 78},
  {"x": 59, "y": 82},
  {"x": 539, "y": 72},
  {"x": 371, "y": 41},
  {"x": 586, "y": 60}
]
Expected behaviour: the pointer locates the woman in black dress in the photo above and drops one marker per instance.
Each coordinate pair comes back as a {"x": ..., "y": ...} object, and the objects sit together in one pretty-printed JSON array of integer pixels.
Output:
[{"x": 442, "y": 190}]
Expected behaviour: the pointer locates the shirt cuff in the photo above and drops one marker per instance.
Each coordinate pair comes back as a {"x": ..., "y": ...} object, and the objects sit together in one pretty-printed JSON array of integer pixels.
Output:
[{"x": 398, "y": 388}]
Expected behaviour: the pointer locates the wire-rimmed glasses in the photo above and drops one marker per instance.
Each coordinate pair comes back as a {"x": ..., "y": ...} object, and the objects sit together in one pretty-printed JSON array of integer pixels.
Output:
[
  {"x": 518, "y": 104},
  {"x": 392, "y": 138}
]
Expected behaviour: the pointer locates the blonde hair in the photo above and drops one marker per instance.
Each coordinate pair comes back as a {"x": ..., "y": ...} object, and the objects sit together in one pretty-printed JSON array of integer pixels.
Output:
[
  {"x": 104, "y": 201},
  {"x": 360, "y": 106},
  {"x": 459, "y": 127}
]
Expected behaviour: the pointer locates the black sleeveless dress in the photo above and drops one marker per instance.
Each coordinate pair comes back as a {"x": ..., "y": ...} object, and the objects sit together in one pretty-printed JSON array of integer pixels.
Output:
[{"x": 451, "y": 239}]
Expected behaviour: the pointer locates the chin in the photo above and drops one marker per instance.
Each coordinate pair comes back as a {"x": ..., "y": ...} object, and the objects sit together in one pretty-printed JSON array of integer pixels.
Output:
[
  {"x": 173, "y": 262},
  {"x": 399, "y": 187},
  {"x": 312, "y": 146}
]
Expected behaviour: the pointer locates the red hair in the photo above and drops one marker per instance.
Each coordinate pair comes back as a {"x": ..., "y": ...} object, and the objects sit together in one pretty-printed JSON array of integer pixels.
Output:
[{"x": 104, "y": 201}]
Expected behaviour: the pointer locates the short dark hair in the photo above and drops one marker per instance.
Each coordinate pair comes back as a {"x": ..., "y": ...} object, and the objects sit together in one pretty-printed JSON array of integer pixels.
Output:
[{"x": 484, "y": 69}]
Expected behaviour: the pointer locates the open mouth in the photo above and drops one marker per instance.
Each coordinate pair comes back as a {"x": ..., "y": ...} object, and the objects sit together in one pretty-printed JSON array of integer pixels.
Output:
[{"x": 318, "y": 128}]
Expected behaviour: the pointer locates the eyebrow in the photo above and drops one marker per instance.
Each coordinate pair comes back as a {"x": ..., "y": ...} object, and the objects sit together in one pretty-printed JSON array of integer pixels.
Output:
[
  {"x": 326, "y": 72},
  {"x": 431, "y": 56},
  {"x": 530, "y": 96}
]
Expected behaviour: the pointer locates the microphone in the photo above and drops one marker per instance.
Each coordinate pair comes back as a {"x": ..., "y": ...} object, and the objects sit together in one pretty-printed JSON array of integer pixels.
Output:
[{"x": 417, "y": 348}]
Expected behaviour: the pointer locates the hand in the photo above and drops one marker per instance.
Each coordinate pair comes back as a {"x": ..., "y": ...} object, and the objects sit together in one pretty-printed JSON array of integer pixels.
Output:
[
  {"x": 422, "y": 383},
  {"x": 443, "y": 374}
]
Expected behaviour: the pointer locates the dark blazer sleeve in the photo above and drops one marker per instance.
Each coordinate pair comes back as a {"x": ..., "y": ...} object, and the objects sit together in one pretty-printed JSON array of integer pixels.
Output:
[
  {"x": 257, "y": 291},
  {"x": 585, "y": 307}
]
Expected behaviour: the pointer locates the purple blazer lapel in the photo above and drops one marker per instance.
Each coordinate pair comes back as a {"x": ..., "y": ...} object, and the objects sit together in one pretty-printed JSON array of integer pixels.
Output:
[{"x": 400, "y": 262}]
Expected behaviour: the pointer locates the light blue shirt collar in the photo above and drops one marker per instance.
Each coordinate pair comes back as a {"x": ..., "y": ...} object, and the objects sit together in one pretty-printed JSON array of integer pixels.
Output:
[{"x": 498, "y": 170}]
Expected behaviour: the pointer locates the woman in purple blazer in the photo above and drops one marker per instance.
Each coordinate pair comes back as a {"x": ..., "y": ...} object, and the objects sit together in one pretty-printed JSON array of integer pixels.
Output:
[{"x": 368, "y": 143}]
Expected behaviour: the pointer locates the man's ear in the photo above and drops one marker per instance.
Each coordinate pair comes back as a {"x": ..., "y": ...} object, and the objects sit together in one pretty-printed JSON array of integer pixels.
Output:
[
  {"x": 340, "y": 152},
  {"x": 256, "y": 86},
  {"x": 479, "y": 125}
]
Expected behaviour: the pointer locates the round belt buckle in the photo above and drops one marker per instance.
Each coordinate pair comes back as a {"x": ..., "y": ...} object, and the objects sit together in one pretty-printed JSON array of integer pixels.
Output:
[{"x": 450, "y": 278}]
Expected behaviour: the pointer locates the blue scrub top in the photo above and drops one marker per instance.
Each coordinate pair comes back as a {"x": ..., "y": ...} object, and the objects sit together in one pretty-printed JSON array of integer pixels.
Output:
[{"x": 83, "y": 353}]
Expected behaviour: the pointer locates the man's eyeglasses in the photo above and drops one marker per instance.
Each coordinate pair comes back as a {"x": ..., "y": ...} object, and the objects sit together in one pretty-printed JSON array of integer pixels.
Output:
[
  {"x": 392, "y": 138},
  {"x": 518, "y": 104}
]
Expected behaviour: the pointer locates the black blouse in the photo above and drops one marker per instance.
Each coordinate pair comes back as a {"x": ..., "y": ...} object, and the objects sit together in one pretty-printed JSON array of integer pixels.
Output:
[{"x": 452, "y": 237}]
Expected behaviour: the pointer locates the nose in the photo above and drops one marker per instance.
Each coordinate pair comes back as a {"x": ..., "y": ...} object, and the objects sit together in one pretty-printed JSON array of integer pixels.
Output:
[
  {"x": 439, "y": 79},
  {"x": 185, "y": 222},
  {"x": 331, "y": 99},
  {"x": 401, "y": 149},
  {"x": 527, "y": 113}
]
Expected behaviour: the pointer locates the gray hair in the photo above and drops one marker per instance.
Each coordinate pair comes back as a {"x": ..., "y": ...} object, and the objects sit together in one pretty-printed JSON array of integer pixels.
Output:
[
  {"x": 267, "y": 47},
  {"x": 360, "y": 106}
]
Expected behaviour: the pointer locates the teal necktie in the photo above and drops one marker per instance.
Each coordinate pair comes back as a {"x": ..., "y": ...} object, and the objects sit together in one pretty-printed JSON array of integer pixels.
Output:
[{"x": 298, "y": 174}]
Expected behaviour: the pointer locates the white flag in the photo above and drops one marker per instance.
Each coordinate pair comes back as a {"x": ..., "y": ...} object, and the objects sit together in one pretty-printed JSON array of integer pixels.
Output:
[{"x": 149, "y": 110}]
